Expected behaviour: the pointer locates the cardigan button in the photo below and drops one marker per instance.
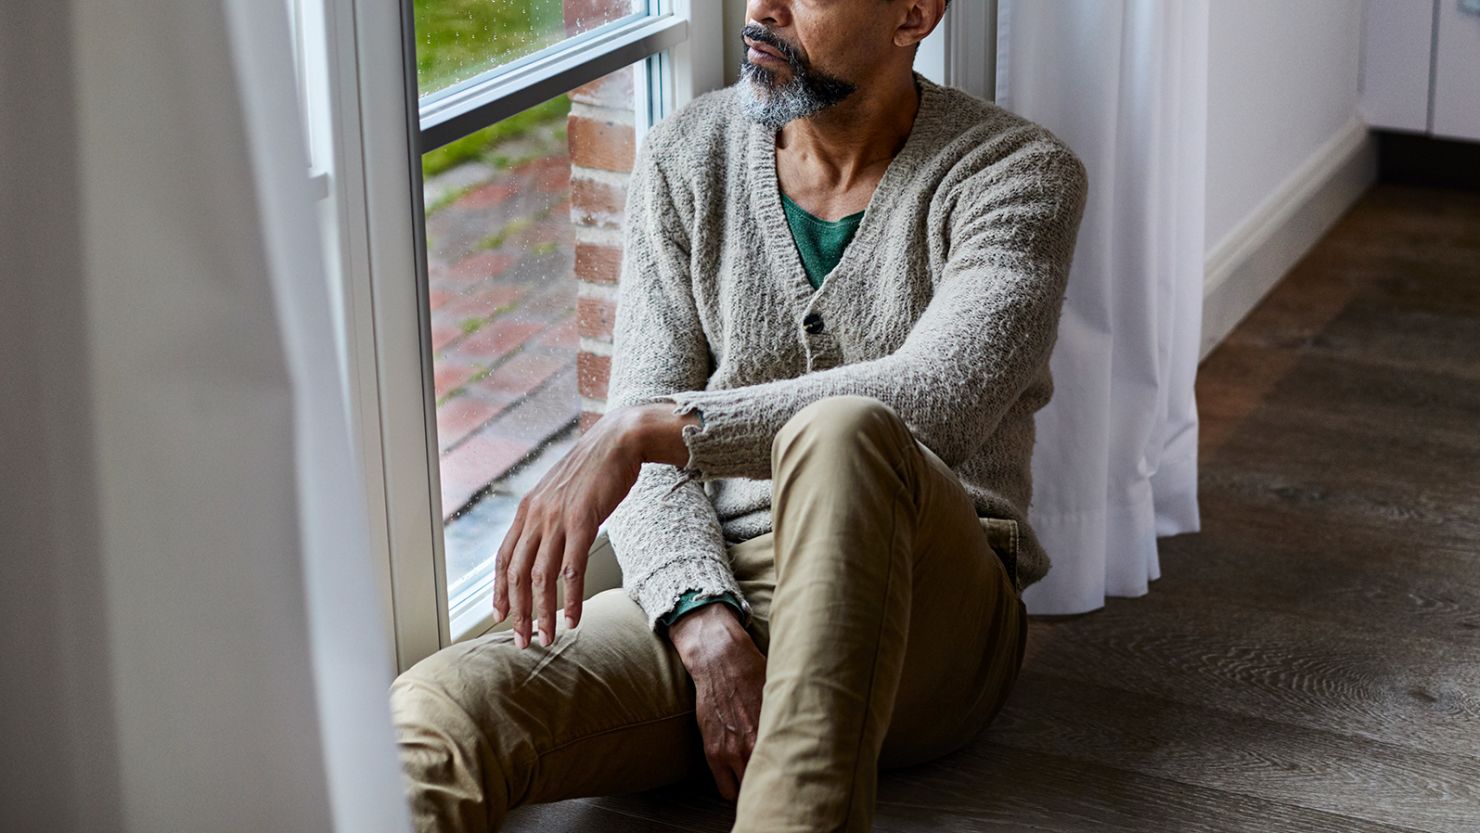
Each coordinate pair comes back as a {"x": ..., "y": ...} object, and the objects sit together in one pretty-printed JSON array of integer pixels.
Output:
[{"x": 813, "y": 322}]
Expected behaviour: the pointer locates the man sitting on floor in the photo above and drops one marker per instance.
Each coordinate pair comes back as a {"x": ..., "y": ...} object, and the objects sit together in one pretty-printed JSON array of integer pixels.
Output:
[{"x": 840, "y": 288}]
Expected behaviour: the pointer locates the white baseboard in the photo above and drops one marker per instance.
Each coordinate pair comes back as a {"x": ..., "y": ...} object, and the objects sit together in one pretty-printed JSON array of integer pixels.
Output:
[{"x": 1247, "y": 264}]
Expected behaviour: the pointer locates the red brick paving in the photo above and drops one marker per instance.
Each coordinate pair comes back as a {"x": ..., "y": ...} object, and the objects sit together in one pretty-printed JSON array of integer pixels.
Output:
[
  {"x": 520, "y": 375},
  {"x": 484, "y": 301},
  {"x": 450, "y": 375},
  {"x": 462, "y": 415},
  {"x": 479, "y": 436},
  {"x": 444, "y": 334},
  {"x": 481, "y": 266},
  {"x": 553, "y": 174},
  {"x": 564, "y": 336},
  {"x": 497, "y": 339},
  {"x": 486, "y": 196},
  {"x": 467, "y": 468}
]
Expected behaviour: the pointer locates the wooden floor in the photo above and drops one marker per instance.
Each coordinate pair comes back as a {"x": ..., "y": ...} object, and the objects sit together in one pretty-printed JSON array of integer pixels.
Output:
[{"x": 1310, "y": 661}]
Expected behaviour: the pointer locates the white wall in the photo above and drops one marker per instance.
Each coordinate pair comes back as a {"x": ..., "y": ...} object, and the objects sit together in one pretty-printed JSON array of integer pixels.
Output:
[
  {"x": 1288, "y": 152},
  {"x": 59, "y": 767},
  {"x": 1281, "y": 83}
]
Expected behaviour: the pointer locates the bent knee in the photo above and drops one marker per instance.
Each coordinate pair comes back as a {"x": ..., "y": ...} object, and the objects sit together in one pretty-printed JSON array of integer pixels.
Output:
[
  {"x": 846, "y": 417},
  {"x": 443, "y": 760},
  {"x": 433, "y": 729}
]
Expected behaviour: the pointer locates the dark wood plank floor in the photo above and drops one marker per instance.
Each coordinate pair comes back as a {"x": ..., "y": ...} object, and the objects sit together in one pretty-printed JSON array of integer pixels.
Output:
[{"x": 1310, "y": 661}]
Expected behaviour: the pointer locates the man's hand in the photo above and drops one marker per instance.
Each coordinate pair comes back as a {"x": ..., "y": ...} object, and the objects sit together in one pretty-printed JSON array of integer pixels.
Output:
[
  {"x": 558, "y": 520},
  {"x": 729, "y": 675}
]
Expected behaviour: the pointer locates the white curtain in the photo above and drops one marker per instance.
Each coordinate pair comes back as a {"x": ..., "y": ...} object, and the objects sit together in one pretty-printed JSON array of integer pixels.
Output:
[
  {"x": 192, "y": 633},
  {"x": 1123, "y": 82}
]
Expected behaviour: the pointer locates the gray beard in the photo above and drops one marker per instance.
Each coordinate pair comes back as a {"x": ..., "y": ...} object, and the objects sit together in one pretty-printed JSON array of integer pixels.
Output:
[{"x": 798, "y": 98}]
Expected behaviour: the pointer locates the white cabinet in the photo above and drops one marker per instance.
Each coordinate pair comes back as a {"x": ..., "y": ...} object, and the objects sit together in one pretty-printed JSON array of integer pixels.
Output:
[
  {"x": 1457, "y": 71},
  {"x": 1421, "y": 67}
]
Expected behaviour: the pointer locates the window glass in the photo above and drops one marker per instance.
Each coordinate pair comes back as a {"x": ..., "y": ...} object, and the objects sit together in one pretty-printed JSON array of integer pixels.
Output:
[
  {"x": 522, "y": 234},
  {"x": 459, "y": 39}
]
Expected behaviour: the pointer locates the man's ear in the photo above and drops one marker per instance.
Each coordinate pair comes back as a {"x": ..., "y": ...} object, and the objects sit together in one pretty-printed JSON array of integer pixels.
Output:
[{"x": 921, "y": 18}]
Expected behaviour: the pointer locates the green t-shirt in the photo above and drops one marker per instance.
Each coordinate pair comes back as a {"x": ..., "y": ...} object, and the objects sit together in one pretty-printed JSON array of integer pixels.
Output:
[{"x": 820, "y": 242}]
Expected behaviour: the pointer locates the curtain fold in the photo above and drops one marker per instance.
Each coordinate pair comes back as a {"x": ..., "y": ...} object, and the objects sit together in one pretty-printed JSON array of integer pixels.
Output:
[
  {"x": 1123, "y": 82},
  {"x": 200, "y": 645}
]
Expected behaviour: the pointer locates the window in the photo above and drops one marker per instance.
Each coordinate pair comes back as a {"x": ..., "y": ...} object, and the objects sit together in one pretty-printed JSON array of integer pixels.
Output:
[
  {"x": 460, "y": 39},
  {"x": 471, "y": 158},
  {"x": 529, "y": 114},
  {"x": 521, "y": 220}
]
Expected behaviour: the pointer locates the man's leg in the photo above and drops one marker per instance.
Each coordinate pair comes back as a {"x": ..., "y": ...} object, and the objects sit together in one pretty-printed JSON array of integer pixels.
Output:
[
  {"x": 894, "y": 632},
  {"x": 484, "y": 727}
]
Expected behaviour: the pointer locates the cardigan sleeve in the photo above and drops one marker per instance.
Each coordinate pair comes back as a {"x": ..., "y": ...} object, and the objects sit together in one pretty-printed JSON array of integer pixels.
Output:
[
  {"x": 985, "y": 334},
  {"x": 665, "y": 533},
  {"x": 693, "y": 600}
]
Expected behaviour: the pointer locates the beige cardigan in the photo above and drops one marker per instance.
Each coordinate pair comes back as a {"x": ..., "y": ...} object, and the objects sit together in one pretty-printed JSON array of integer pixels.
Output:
[{"x": 945, "y": 306}]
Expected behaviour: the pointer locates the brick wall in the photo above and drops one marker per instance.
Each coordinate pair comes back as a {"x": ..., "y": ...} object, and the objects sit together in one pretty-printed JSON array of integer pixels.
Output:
[{"x": 602, "y": 142}]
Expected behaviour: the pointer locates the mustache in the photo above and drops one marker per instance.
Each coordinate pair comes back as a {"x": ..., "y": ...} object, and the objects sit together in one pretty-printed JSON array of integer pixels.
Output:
[{"x": 760, "y": 34}]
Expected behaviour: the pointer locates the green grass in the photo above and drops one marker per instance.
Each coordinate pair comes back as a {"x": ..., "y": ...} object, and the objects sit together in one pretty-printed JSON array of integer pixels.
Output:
[
  {"x": 511, "y": 228},
  {"x": 447, "y": 199},
  {"x": 457, "y": 39},
  {"x": 481, "y": 145}
]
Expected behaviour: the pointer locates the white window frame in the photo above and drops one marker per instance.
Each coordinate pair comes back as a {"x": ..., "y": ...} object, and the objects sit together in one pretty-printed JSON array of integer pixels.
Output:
[
  {"x": 367, "y": 130},
  {"x": 962, "y": 51}
]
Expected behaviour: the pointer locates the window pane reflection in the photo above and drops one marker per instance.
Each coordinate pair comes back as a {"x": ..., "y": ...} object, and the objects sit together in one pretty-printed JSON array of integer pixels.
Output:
[
  {"x": 502, "y": 221},
  {"x": 458, "y": 39}
]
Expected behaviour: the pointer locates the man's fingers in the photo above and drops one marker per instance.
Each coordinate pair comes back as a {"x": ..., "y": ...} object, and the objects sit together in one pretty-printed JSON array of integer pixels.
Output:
[
  {"x": 739, "y": 776},
  {"x": 742, "y": 756},
  {"x": 724, "y": 777},
  {"x": 573, "y": 574},
  {"x": 543, "y": 578},
  {"x": 519, "y": 602},
  {"x": 501, "y": 567}
]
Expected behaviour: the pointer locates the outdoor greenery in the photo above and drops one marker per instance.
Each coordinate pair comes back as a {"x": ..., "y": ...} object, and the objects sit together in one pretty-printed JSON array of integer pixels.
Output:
[
  {"x": 483, "y": 144},
  {"x": 457, "y": 39}
]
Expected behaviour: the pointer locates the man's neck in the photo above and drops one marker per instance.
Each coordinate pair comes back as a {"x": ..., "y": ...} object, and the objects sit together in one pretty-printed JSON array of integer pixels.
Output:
[{"x": 849, "y": 143}]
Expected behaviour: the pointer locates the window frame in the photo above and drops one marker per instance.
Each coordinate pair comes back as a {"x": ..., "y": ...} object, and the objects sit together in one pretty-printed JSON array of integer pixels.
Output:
[{"x": 367, "y": 130}]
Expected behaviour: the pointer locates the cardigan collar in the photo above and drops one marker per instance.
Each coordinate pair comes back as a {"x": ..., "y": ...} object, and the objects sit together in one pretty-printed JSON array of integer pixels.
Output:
[{"x": 765, "y": 195}]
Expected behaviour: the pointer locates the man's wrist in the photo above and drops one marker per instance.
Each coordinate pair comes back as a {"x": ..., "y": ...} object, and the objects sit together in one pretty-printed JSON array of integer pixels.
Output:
[
  {"x": 696, "y": 598},
  {"x": 658, "y": 432},
  {"x": 705, "y": 632}
]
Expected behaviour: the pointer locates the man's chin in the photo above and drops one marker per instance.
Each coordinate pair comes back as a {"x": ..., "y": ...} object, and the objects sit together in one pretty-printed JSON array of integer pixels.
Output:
[{"x": 762, "y": 79}]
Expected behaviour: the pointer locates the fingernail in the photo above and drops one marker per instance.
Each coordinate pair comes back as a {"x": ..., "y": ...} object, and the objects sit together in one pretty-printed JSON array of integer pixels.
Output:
[
  {"x": 520, "y": 641},
  {"x": 544, "y": 637},
  {"x": 570, "y": 621}
]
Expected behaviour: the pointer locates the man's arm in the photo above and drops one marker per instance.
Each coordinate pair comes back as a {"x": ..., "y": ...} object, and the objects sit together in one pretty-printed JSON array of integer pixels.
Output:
[
  {"x": 665, "y": 534},
  {"x": 978, "y": 344}
]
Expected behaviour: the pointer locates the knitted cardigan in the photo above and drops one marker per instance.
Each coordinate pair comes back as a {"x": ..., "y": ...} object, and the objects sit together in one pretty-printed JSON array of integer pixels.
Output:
[{"x": 945, "y": 307}]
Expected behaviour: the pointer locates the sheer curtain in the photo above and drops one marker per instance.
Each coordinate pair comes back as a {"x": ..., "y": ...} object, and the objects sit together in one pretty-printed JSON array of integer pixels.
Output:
[
  {"x": 1124, "y": 82},
  {"x": 191, "y": 628}
]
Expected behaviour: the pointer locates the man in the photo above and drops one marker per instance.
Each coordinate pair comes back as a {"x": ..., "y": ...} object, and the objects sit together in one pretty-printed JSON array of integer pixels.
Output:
[{"x": 840, "y": 288}]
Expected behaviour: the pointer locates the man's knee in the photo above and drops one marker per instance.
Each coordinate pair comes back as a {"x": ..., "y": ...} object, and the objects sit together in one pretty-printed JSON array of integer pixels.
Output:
[
  {"x": 446, "y": 758},
  {"x": 843, "y": 418}
]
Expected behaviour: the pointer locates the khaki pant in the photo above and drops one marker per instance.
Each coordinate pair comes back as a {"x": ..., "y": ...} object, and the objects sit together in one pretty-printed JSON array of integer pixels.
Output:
[{"x": 891, "y": 630}]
